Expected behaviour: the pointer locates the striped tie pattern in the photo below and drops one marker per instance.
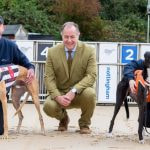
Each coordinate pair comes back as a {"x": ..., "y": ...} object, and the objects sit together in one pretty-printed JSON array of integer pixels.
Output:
[{"x": 69, "y": 61}]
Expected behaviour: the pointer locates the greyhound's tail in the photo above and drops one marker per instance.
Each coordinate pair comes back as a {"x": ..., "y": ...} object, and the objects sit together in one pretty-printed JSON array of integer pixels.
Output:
[
  {"x": 22, "y": 104},
  {"x": 126, "y": 107}
]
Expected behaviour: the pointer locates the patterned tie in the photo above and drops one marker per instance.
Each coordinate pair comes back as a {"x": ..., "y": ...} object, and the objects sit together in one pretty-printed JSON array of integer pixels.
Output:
[{"x": 69, "y": 60}]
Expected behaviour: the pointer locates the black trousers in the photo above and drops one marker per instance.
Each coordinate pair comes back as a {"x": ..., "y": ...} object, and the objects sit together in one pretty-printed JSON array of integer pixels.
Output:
[{"x": 1, "y": 120}]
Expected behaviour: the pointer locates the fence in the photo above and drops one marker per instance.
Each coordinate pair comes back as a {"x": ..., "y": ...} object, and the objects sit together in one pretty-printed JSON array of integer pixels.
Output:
[{"x": 111, "y": 57}]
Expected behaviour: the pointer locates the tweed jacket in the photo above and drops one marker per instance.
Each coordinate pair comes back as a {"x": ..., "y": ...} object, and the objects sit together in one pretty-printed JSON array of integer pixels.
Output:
[{"x": 82, "y": 74}]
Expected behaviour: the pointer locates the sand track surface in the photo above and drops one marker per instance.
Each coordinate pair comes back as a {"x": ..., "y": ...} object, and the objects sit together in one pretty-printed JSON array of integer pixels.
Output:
[{"x": 125, "y": 135}]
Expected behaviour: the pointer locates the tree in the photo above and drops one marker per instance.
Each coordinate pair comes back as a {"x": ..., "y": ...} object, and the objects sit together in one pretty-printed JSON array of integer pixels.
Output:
[
  {"x": 125, "y": 20},
  {"x": 28, "y": 14},
  {"x": 85, "y": 13},
  {"x": 104, "y": 20},
  {"x": 121, "y": 9}
]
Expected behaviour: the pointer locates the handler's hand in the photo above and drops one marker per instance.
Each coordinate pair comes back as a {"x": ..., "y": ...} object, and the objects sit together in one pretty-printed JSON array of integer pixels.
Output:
[
  {"x": 132, "y": 86},
  {"x": 30, "y": 76}
]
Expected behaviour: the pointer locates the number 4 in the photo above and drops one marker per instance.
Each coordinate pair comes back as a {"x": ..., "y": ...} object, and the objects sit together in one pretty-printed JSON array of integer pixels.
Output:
[{"x": 45, "y": 51}]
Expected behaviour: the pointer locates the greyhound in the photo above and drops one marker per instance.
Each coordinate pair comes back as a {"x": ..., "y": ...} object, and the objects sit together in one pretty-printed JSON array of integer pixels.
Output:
[
  {"x": 32, "y": 89},
  {"x": 140, "y": 97}
]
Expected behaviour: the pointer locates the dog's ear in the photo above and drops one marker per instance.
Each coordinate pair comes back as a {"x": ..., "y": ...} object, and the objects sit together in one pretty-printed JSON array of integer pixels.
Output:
[
  {"x": 147, "y": 59},
  {"x": 147, "y": 55}
]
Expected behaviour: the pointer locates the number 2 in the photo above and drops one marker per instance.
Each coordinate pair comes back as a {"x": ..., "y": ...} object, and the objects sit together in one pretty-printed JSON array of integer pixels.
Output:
[{"x": 130, "y": 54}]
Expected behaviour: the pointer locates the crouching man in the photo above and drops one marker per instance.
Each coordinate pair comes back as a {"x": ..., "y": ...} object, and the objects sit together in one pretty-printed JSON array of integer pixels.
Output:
[{"x": 70, "y": 74}]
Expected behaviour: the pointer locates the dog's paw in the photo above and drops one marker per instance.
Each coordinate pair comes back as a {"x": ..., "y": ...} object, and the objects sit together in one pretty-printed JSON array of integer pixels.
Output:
[
  {"x": 146, "y": 133},
  {"x": 43, "y": 132},
  {"x": 109, "y": 135},
  {"x": 5, "y": 136},
  {"x": 141, "y": 142}
]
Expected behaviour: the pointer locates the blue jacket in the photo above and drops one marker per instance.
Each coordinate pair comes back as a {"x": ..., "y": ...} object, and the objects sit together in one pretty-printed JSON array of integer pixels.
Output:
[
  {"x": 129, "y": 69},
  {"x": 10, "y": 53}
]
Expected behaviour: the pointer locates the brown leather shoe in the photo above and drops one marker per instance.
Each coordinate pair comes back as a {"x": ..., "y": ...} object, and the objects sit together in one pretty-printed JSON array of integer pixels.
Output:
[
  {"x": 63, "y": 125},
  {"x": 85, "y": 130}
]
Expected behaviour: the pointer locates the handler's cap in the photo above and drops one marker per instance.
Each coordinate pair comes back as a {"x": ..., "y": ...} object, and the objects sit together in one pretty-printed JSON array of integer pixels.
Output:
[{"x": 1, "y": 20}]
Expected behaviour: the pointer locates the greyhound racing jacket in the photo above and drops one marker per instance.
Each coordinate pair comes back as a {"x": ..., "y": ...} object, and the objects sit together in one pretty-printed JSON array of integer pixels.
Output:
[
  {"x": 139, "y": 78},
  {"x": 8, "y": 73},
  {"x": 129, "y": 69}
]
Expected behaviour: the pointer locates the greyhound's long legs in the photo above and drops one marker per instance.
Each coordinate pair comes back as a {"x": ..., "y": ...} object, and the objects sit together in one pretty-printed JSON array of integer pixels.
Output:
[
  {"x": 33, "y": 90},
  {"x": 16, "y": 95},
  {"x": 3, "y": 99},
  {"x": 4, "y": 105},
  {"x": 37, "y": 105},
  {"x": 126, "y": 107},
  {"x": 140, "y": 119},
  {"x": 120, "y": 97},
  {"x": 141, "y": 97}
]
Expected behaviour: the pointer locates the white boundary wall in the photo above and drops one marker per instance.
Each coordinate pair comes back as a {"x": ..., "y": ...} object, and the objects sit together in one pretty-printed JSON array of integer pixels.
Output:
[{"x": 111, "y": 56}]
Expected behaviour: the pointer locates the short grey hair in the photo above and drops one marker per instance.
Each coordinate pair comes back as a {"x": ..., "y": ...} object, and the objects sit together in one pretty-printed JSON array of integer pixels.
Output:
[{"x": 70, "y": 24}]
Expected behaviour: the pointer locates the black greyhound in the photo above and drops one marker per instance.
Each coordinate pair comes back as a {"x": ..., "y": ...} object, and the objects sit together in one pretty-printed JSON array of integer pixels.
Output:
[{"x": 123, "y": 91}]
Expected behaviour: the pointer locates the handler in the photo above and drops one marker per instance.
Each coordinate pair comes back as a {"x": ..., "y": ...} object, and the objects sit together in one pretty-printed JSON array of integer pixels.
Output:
[{"x": 10, "y": 53}]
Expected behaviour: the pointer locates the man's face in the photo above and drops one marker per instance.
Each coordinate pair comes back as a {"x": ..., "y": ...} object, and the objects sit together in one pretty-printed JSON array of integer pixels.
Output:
[
  {"x": 70, "y": 37},
  {"x": 1, "y": 29}
]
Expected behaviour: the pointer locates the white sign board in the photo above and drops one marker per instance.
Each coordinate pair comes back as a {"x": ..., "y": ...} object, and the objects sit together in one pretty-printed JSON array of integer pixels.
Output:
[
  {"x": 108, "y": 53},
  {"x": 27, "y": 48},
  {"x": 107, "y": 84},
  {"x": 143, "y": 49}
]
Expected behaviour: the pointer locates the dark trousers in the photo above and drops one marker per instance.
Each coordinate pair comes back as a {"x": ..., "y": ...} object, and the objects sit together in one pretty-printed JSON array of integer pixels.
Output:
[{"x": 1, "y": 120}]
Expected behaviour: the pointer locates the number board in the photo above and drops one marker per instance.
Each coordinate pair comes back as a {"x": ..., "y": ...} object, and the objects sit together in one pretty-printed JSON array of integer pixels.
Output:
[
  {"x": 42, "y": 51},
  {"x": 129, "y": 53}
]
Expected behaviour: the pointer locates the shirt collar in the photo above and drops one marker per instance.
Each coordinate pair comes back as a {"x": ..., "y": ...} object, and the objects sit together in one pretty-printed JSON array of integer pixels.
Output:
[{"x": 74, "y": 49}]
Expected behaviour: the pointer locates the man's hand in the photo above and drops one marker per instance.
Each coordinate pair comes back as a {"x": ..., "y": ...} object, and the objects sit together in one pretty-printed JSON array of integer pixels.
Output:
[
  {"x": 70, "y": 95},
  {"x": 30, "y": 76},
  {"x": 63, "y": 100},
  {"x": 132, "y": 86}
]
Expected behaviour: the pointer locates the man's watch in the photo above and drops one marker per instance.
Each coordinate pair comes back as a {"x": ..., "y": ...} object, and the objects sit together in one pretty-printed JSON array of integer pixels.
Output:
[{"x": 74, "y": 90}]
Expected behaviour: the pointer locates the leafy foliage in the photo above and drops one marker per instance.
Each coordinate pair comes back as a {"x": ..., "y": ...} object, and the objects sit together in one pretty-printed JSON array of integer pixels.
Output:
[
  {"x": 128, "y": 20},
  {"x": 28, "y": 14},
  {"x": 103, "y": 20},
  {"x": 116, "y": 32},
  {"x": 83, "y": 12},
  {"x": 121, "y": 9}
]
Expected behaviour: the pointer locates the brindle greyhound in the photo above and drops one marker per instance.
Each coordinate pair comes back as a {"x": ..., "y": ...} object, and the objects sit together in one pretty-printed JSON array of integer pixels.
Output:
[
  {"x": 123, "y": 91},
  {"x": 33, "y": 91}
]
